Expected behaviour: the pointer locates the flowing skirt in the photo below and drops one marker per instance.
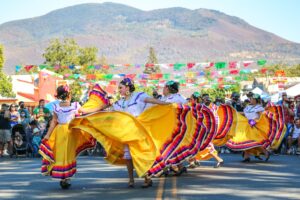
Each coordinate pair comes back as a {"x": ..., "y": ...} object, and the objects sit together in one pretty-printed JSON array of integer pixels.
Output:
[
  {"x": 59, "y": 152},
  {"x": 267, "y": 133}
]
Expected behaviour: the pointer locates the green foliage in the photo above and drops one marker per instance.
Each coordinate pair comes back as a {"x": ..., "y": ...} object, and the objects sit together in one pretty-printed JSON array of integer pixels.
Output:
[
  {"x": 220, "y": 92},
  {"x": 5, "y": 81},
  {"x": 6, "y": 86},
  {"x": 76, "y": 91},
  {"x": 1, "y": 57},
  {"x": 88, "y": 55},
  {"x": 148, "y": 90},
  {"x": 68, "y": 53},
  {"x": 290, "y": 71},
  {"x": 152, "y": 60}
]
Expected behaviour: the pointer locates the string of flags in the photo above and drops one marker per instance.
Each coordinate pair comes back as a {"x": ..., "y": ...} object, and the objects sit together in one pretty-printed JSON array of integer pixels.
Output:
[
  {"x": 215, "y": 74},
  {"x": 176, "y": 66}
]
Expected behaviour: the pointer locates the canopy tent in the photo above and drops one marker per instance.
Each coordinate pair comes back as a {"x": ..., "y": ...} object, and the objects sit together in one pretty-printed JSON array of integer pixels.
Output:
[{"x": 294, "y": 90}]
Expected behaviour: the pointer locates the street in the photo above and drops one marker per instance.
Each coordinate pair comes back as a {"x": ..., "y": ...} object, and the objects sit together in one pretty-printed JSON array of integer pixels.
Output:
[{"x": 95, "y": 179}]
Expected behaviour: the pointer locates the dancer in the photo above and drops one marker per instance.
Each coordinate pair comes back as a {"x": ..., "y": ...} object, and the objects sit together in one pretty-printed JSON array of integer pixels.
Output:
[
  {"x": 196, "y": 97},
  {"x": 134, "y": 103},
  {"x": 210, "y": 151},
  {"x": 258, "y": 130},
  {"x": 60, "y": 147}
]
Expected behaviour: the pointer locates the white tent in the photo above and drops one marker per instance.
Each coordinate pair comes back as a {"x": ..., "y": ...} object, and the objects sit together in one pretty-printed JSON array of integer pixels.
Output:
[
  {"x": 257, "y": 90},
  {"x": 294, "y": 90}
]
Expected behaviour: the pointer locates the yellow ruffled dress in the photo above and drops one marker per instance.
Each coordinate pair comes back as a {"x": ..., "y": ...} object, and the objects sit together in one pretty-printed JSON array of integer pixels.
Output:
[
  {"x": 268, "y": 131},
  {"x": 59, "y": 152}
]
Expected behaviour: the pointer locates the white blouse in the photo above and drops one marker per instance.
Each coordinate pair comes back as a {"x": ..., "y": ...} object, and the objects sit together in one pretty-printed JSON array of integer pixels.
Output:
[
  {"x": 135, "y": 105},
  {"x": 66, "y": 114},
  {"x": 174, "y": 98},
  {"x": 251, "y": 111}
]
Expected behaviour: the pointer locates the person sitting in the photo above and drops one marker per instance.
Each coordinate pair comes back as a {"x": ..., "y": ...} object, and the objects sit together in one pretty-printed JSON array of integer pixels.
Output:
[{"x": 294, "y": 136}]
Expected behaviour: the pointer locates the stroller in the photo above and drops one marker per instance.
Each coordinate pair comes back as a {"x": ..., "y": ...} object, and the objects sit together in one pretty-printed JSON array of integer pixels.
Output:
[{"x": 21, "y": 147}]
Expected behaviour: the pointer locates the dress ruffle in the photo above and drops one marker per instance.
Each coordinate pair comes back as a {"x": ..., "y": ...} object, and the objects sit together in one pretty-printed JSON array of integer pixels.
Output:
[{"x": 268, "y": 131}]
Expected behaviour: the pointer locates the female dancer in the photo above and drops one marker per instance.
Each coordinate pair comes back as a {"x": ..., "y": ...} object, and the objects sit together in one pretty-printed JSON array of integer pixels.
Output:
[
  {"x": 134, "y": 103},
  {"x": 252, "y": 139},
  {"x": 170, "y": 92},
  {"x": 60, "y": 147},
  {"x": 196, "y": 97}
]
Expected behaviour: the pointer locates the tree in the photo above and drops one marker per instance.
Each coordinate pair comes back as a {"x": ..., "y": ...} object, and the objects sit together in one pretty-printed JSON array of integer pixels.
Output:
[
  {"x": 1, "y": 57},
  {"x": 5, "y": 81},
  {"x": 76, "y": 91},
  {"x": 150, "y": 67},
  {"x": 88, "y": 55},
  {"x": 69, "y": 53}
]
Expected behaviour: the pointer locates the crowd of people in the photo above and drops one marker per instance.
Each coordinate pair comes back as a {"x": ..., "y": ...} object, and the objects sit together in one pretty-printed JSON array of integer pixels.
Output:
[{"x": 22, "y": 129}]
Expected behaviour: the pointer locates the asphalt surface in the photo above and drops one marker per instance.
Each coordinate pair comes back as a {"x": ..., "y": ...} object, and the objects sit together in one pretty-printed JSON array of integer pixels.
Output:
[{"x": 277, "y": 179}]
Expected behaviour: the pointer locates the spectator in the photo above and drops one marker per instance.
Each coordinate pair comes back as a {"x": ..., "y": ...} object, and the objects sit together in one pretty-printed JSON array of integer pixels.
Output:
[
  {"x": 24, "y": 121},
  {"x": 42, "y": 115},
  {"x": 14, "y": 115},
  {"x": 288, "y": 113},
  {"x": 5, "y": 130},
  {"x": 297, "y": 114},
  {"x": 36, "y": 140},
  {"x": 235, "y": 102},
  {"x": 22, "y": 108},
  {"x": 294, "y": 136}
]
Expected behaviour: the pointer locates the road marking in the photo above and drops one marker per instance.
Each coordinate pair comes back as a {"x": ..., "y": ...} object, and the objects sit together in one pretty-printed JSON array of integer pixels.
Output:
[
  {"x": 160, "y": 191},
  {"x": 174, "y": 187}
]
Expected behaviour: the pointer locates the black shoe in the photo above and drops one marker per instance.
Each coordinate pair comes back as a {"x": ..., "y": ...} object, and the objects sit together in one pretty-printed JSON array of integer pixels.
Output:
[
  {"x": 147, "y": 184},
  {"x": 181, "y": 171},
  {"x": 65, "y": 185},
  {"x": 246, "y": 160},
  {"x": 219, "y": 164},
  {"x": 268, "y": 157},
  {"x": 258, "y": 157}
]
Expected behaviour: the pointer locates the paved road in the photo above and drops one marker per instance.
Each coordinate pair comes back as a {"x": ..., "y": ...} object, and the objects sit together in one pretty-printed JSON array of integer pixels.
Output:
[{"x": 277, "y": 179}]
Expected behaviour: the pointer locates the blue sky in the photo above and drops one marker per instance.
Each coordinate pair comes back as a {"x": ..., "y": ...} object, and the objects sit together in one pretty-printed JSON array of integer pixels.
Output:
[{"x": 281, "y": 17}]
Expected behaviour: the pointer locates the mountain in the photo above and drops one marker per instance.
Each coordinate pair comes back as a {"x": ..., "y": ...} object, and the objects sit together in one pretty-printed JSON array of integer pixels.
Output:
[{"x": 124, "y": 34}]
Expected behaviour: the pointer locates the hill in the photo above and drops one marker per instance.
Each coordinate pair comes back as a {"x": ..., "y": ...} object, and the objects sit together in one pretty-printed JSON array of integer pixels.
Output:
[{"x": 124, "y": 34}]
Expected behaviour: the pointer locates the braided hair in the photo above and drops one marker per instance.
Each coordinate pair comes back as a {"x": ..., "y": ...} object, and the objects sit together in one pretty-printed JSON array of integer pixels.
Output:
[{"x": 63, "y": 92}]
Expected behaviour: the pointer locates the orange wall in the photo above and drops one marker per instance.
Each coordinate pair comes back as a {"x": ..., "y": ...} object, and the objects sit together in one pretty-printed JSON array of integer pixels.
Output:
[{"x": 47, "y": 85}]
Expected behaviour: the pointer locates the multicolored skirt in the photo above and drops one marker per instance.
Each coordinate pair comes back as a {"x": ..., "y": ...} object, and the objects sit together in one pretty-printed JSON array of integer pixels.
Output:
[
  {"x": 59, "y": 152},
  {"x": 267, "y": 133}
]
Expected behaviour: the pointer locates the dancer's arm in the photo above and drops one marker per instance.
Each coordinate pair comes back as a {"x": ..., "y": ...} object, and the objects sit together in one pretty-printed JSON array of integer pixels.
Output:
[
  {"x": 155, "y": 101},
  {"x": 53, "y": 123},
  {"x": 91, "y": 110}
]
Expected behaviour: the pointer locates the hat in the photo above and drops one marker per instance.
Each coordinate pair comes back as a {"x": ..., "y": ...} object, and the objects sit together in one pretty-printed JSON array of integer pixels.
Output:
[
  {"x": 196, "y": 94},
  {"x": 36, "y": 130},
  {"x": 256, "y": 96}
]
